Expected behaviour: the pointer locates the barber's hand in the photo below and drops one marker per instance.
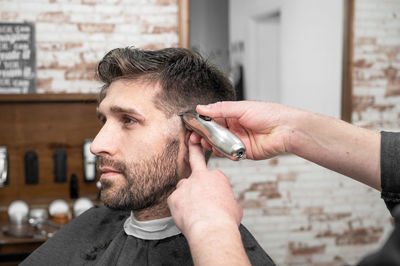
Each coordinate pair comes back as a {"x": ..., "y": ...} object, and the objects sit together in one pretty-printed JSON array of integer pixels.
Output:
[
  {"x": 259, "y": 125},
  {"x": 203, "y": 200}
]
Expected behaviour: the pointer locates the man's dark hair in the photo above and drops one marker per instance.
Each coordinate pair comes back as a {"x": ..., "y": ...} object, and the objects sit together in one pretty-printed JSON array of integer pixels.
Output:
[{"x": 186, "y": 78}]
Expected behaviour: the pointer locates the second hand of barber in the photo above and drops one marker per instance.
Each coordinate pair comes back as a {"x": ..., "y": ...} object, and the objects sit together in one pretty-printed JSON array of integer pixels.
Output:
[{"x": 206, "y": 210}]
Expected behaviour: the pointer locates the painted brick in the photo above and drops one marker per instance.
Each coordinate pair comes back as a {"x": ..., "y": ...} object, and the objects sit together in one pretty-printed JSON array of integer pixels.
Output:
[
  {"x": 60, "y": 46},
  {"x": 376, "y": 64},
  {"x": 53, "y": 17},
  {"x": 109, "y": 9},
  {"x": 9, "y": 16},
  {"x": 72, "y": 35},
  {"x": 44, "y": 83},
  {"x": 317, "y": 208},
  {"x": 166, "y": 2},
  {"x": 94, "y": 28}
]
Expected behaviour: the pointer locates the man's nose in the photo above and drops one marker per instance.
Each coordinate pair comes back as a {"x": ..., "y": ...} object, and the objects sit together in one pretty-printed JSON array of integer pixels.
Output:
[{"x": 105, "y": 143}]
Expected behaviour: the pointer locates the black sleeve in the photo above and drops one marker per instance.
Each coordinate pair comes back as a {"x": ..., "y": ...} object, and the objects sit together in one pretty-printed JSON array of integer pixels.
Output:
[
  {"x": 390, "y": 168},
  {"x": 390, "y": 182}
]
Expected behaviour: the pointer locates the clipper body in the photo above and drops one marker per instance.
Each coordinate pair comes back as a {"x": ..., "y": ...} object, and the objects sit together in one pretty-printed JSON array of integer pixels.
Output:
[{"x": 219, "y": 137}]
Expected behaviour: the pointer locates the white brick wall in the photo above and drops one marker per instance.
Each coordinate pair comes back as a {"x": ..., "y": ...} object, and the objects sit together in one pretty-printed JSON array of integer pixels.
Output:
[
  {"x": 71, "y": 36},
  {"x": 376, "y": 65},
  {"x": 311, "y": 208}
]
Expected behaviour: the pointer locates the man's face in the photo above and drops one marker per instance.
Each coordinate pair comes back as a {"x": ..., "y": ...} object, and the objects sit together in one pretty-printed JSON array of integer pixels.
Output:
[{"x": 141, "y": 153}]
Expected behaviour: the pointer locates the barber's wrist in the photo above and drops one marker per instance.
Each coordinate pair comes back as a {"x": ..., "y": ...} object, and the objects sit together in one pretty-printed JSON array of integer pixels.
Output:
[
  {"x": 212, "y": 228},
  {"x": 207, "y": 239},
  {"x": 297, "y": 124}
]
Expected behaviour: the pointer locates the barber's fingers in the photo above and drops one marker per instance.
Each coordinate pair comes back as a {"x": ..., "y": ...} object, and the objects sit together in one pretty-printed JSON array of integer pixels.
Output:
[
  {"x": 181, "y": 182},
  {"x": 223, "y": 109},
  {"x": 196, "y": 157},
  {"x": 221, "y": 121},
  {"x": 205, "y": 144},
  {"x": 197, "y": 139}
]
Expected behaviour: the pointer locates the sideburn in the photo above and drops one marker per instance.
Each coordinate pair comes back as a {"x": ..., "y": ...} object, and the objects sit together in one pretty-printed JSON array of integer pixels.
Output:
[{"x": 162, "y": 176}]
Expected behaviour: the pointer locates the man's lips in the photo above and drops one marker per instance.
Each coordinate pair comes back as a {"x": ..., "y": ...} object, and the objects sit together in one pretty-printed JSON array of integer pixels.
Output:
[{"x": 106, "y": 171}]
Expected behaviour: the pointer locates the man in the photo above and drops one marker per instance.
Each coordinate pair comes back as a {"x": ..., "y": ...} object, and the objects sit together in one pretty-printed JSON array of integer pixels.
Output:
[
  {"x": 269, "y": 129},
  {"x": 142, "y": 154}
]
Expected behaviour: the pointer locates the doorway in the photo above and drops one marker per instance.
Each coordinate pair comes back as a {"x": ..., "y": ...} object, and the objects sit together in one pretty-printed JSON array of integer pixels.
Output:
[{"x": 264, "y": 58}]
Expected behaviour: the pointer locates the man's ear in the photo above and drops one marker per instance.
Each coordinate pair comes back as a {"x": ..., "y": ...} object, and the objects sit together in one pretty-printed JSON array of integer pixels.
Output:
[{"x": 187, "y": 136}]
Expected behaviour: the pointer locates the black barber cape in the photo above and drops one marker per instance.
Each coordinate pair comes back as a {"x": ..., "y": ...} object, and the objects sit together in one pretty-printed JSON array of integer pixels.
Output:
[{"x": 97, "y": 237}]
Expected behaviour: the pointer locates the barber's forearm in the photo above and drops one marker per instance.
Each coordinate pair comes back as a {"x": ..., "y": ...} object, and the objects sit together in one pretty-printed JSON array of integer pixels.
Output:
[
  {"x": 337, "y": 145},
  {"x": 214, "y": 244}
]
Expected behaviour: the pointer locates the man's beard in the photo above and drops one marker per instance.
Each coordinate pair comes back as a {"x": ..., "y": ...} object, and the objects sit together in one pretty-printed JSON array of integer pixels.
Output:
[{"x": 149, "y": 182}]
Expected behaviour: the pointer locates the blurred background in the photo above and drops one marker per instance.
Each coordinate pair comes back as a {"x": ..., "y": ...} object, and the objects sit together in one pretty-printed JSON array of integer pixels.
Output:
[{"x": 336, "y": 57}]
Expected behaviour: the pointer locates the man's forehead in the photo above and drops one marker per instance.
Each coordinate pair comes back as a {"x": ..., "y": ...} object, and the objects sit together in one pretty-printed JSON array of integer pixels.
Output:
[
  {"x": 139, "y": 99},
  {"x": 131, "y": 94}
]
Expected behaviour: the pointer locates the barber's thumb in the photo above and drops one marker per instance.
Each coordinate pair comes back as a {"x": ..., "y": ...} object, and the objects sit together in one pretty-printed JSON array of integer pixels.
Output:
[
  {"x": 212, "y": 109},
  {"x": 219, "y": 109}
]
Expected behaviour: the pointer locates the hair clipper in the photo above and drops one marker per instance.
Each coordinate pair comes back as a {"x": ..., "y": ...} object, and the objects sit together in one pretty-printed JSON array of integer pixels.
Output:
[{"x": 219, "y": 137}]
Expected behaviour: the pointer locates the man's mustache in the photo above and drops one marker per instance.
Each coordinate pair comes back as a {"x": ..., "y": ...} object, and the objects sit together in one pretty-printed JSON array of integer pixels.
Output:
[{"x": 119, "y": 166}]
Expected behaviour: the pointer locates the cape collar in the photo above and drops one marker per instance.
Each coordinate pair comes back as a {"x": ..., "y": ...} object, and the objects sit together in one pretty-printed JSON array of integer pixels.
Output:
[{"x": 151, "y": 230}]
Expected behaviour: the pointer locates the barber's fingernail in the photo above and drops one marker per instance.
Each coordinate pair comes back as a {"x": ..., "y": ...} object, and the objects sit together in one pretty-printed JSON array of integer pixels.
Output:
[{"x": 203, "y": 106}]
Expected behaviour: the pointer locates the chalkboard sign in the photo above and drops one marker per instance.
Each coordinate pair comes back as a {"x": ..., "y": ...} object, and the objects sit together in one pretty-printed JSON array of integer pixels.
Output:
[{"x": 17, "y": 58}]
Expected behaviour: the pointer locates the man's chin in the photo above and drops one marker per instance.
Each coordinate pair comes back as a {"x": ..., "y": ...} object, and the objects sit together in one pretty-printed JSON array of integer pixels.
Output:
[
  {"x": 118, "y": 200},
  {"x": 110, "y": 198},
  {"x": 125, "y": 206},
  {"x": 115, "y": 205}
]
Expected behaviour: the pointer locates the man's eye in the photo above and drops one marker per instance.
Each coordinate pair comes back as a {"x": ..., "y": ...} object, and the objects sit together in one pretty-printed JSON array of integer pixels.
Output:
[
  {"x": 102, "y": 120},
  {"x": 128, "y": 120}
]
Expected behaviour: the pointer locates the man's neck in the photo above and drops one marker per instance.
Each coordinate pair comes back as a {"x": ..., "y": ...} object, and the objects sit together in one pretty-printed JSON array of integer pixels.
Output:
[{"x": 158, "y": 211}]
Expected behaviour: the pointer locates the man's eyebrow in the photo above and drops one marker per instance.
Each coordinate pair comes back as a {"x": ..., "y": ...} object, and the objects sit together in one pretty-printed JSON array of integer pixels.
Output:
[{"x": 119, "y": 109}]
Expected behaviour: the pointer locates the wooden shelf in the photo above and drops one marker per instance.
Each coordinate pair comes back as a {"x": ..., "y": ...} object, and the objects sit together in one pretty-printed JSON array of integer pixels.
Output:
[
  {"x": 45, "y": 123},
  {"x": 48, "y": 97}
]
